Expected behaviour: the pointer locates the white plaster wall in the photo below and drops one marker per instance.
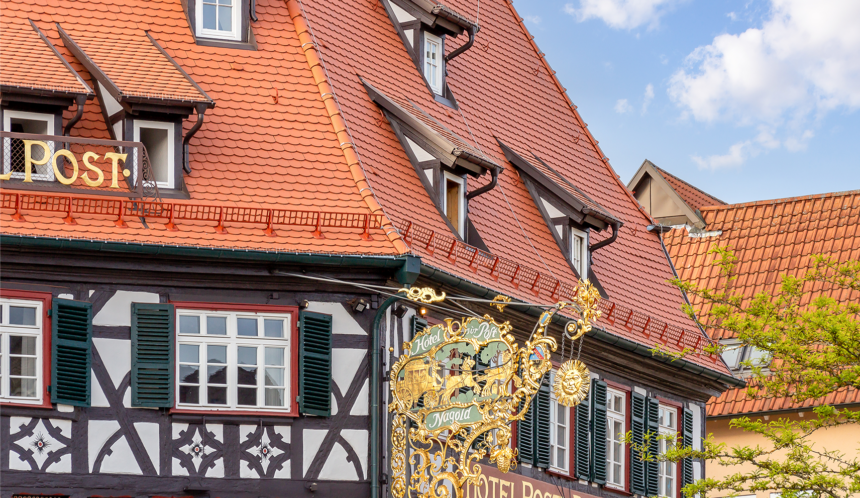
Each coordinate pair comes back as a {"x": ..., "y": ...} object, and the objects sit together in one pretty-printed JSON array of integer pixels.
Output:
[
  {"x": 117, "y": 311},
  {"x": 341, "y": 321}
]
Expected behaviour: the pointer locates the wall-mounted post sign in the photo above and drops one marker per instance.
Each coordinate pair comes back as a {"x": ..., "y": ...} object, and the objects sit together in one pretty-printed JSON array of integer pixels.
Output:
[
  {"x": 460, "y": 384},
  {"x": 54, "y": 163}
]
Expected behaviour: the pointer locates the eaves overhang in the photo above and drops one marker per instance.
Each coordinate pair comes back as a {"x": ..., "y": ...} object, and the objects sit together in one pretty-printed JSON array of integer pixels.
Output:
[
  {"x": 443, "y": 277},
  {"x": 438, "y": 16}
]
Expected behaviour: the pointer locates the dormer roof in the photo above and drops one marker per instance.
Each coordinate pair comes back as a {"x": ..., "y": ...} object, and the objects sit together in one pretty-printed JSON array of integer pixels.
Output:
[
  {"x": 54, "y": 75},
  {"x": 133, "y": 68},
  {"x": 437, "y": 15}
]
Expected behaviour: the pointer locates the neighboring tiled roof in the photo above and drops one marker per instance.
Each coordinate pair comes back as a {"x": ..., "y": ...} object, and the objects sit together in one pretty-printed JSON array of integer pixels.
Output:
[
  {"x": 32, "y": 64},
  {"x": 528, "y": 112},
  {"x": 134, "y": 64},
  {"x": 695, "y": 197},
  {"x": 269, "y": 143},
  {"x": 736, "y": 402},
  {"x": 770, "y": 239}
]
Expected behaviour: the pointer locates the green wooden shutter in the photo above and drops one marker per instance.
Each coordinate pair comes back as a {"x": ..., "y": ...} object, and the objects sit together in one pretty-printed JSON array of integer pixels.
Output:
[
  {"x": 418, "y": 325},
  {"x": 687, "y": 433},
  {"x": 542, "y": 407},
  {"x": 526, "y": 435},
  {"x": 598, "y": 432},
  {"x": 652, "y": 426},
  {"x": 637, "y": 466},
  {"x": 582, "y": 439},
  {"x": 315, "y": 364},
  {"x": 152, "y": 351},
  {"x": 71, "y": 351}
]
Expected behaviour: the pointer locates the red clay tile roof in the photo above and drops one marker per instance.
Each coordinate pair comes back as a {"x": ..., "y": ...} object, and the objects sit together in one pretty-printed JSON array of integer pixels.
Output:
[
  {"x": 770, "y": 239},
  {"x": 32, "y": 64},
  {"x": 735, "y": 402},
  {"x": 134, "y": 64},
  {"x": 528, "y": 112},
  {"x": 269, "y": 143},
  {"x": 695, "y": 197}
]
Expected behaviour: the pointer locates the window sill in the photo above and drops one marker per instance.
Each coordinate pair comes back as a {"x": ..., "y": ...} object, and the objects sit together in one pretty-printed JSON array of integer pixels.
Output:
[
  {"x": 215, "y": 42},
  {"x": 243, "y": 412},
  {"x": 617, "y": 490},
  {"x": 443, "y": 100},
  {"x": 561, "y": 474},
  {"x": 43, "y": 405}
]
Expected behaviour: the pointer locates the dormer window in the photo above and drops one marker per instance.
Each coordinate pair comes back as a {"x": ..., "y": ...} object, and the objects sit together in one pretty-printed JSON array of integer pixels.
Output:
[
  {"x": 433, "y": 62},
  {"x": 219, "y": 19},
  {"x": 454, "y": 201},
  {"x": 13, "y": 154},
  {"x": 579, "y": 251},
  {"x": 159, "y": 139}
]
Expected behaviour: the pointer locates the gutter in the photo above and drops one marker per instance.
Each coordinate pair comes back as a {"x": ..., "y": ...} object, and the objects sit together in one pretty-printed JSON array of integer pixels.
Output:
[
  {"x": 601, "y": 335},
  {"x": 201, "y": 109},
  {"x": 405, "y": 265},
  {"x": 466, "y": 46},
  {"x": 80, "y": 100},
  {"x": 616, "y": 225},
  {"x": 486, "y": 188}
]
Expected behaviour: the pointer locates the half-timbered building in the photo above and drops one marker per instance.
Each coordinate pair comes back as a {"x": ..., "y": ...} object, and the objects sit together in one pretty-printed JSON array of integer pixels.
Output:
[{"x": 206, "y": 206}]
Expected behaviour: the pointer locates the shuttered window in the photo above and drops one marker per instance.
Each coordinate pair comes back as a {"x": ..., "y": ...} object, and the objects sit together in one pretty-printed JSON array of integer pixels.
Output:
[
  {"x": 526, "y": 435},
  {"x": 582, "y": 441},
  {"x": 315, "y": 364},
  {"x": 152, "y": 350},
  {"x": 687, "y": 463},
  {"x": 71, "y": 346},
  {"x": 652, "y": 426},
  {"x": 637, "y": 428},
  {"x": 21, "y": 355},
  {"x": 559, "y": 435},
  {"x": 533, "y": 432},
  {"x": 616, "y": 426},
  {"x": 598, "y": 431},
  {"x": 668, "y": 479}
]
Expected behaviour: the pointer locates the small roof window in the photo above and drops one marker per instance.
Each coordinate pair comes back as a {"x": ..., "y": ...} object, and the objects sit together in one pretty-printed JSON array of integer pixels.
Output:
[{"x": 219, "y": 19}]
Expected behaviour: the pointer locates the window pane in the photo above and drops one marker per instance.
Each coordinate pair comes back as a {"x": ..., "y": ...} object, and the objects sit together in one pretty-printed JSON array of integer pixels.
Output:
[
  {"x": 189, "y": 353},
  {"x": 22, "y": 345},
  {"x": 247, "y": 326},
  {"x": 217, "y": 395},
  {"x": 562, "y": 414},
  {"x": 208, "y": 16},
  {"x": 247, "y": 396},
  {"x": 216, "y": 325},
  {"x": 225, "y": 18},
  {"x": 731, "y": 356},
  {"x": 559, "y": 462},
  {"x": 20, "y": 315},
  {"x": 23, "y": 388},
  {"x": 274, "y": 328},
  {"x": 189, "y": 394},
  {"x": 22, "y": 366},
  {"x": 189, "y": 324},
  {"x": 275, "y": 357},
  {"x": 247, "y": 355},
  {"x": 216, "y": 354},
  {"x": 561, "y": 433},
  {"x": 189, "y": 374},
  {"x": 217, "y": 374},
  {"x": 246, "y": 376},
  {"x": 275, "y": 377},
  {"x": 274, "y": 397}
]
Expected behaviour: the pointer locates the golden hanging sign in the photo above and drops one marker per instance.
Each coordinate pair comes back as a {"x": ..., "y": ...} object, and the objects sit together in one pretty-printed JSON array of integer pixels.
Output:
[{"x": 461, "y": 383}]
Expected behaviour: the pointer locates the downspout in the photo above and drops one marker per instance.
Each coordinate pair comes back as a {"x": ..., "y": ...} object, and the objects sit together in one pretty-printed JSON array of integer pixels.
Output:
[
  {"x": 486, "y": 188},
  {"x": 375, "y": 394},
  {"x": 201, "y": 109},
  {"x": 462, "y": 48},
  {"x": 616, "y": 225},
  {"x": 80, "y": 100}
]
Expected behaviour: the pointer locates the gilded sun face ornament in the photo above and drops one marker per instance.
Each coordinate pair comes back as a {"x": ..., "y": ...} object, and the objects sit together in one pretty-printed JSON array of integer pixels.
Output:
[{"x": 571, "y": 383}]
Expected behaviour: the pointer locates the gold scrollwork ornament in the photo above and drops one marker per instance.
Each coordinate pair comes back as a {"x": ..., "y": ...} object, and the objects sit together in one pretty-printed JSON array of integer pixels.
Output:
[
  {"x": 425, "y": 295},
  {"x": 571, "y": 383}
]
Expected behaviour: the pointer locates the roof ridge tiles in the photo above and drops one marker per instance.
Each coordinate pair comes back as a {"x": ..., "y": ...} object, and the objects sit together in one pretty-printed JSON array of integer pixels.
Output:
[{"x": 785, "y": 200}]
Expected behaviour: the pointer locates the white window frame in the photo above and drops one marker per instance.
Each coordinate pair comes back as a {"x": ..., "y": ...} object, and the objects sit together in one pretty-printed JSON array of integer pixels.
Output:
[
  {"x": 234, "y": 35},
  {"x": 582, "y": 265},
  {"x": 24, "y": 330},
  {"x": 461, "y": 222},
  {"x": 434, "y": 82},
  {"x": 171, "y": 150},
  {"x": 233, "y": 341},
  {"x": 7, "y": 160},
  {"x": 613, "y": 416},
  {"x": 667, "y": 470},
  {"x": 554, "y": 423}
]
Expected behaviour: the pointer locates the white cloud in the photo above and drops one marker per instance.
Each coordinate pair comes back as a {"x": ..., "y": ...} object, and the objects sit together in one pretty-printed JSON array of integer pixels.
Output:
[
  {"x": 736, "y": 156},
  {"x": 649, "y": 96},
  {"x": 533, "y": 19},
  {"x": 621, "y": 14},
  {"x": 782, "y": 78},
  {"x": 802, "y": 61},
  {"x": 622, "y": 106},
  {"x": 732, "y": 16}
]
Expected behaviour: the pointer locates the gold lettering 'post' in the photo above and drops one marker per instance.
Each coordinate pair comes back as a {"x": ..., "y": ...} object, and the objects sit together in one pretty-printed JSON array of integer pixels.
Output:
[
  {"x": 29, "y": 162},
  {"x": 115, "y": 158}
]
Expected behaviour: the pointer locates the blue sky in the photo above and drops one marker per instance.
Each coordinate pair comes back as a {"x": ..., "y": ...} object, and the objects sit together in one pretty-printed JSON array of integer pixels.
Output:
[{"x": 748, "y": 100}]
